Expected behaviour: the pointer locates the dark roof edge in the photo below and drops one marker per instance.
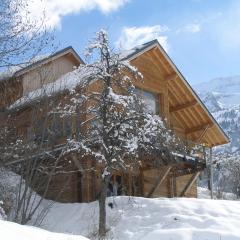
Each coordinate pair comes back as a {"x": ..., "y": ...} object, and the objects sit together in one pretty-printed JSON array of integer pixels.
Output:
[
  {"x": 17, "y": 73},
  {"x": 155, "y": 42},
  {"x": 145, "y": 46}
]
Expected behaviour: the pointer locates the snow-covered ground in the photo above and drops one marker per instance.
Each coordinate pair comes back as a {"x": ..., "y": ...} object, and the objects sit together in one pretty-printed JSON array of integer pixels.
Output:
[
  {"x": 150, "y": 219},
  {"x": 137, "y": 218},
  {"x": 205, "y": 194},
  {"x": 13, "y": 231}
]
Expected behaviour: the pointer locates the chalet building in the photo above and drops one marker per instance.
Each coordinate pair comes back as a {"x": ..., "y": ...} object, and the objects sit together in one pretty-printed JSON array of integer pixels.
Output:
[{"x": 167, "y": 93}]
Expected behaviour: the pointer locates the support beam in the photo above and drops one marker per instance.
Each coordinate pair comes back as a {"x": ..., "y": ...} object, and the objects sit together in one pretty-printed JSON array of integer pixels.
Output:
[
  {"x": 153, "y": 59},
  {"x": 159, "y": 181},
  {"x": 130, "y": 184},
  {"x": 189, "y": 185},
  {"x": 202, "y": 134},
  {"x": 183, "y": 106},
  {"x": 211, "y": 173},
  {"x": 171, "y": 77},
  {"x": 174, "y": 185},
  {"x": 198, "y": 128},
  {"x": 171, "y": 187},
  {"x": 161, "y": 61}
]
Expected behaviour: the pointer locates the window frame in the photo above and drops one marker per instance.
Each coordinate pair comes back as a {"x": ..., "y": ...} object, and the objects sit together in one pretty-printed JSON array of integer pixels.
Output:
[{"x": 157, "y": 96}]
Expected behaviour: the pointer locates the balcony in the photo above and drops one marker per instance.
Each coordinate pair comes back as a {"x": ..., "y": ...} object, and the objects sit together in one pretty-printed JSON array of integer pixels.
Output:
[{"x": 193, "y": 157}]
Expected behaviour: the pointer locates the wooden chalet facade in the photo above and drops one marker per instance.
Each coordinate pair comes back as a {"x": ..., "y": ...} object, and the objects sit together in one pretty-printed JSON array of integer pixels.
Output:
[{"x": 168, "y": 94}]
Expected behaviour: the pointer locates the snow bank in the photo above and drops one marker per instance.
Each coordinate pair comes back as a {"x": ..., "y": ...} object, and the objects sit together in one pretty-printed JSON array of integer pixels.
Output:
[
  {"x": 13, "y": 231},
  {"x": 150, "y": 219},
  {"x": 2, "y": 212},
  {"x": 205, "y": 194},
  {"x": 136, "y": 218}
]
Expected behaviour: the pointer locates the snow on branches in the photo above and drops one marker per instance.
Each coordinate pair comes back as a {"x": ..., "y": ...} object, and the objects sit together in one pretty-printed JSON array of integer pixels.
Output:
[
  {"x": 114, "y": 129},
  {"x": 117, "y": 130}
]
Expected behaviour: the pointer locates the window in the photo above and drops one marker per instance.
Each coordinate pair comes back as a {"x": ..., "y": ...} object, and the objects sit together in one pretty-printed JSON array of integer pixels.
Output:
[{"x": 151, "y": 101}]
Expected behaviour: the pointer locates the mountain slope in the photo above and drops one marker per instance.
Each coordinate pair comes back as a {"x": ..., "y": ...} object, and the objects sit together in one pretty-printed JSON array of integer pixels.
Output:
[
  {"x": 226, "y": 91},
  {"x": 222, "y": 97}
]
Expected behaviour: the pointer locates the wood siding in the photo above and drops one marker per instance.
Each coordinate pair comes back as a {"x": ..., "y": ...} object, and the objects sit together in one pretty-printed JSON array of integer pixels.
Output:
[
  {"x": 176, "y": 107},
  {"x": 170, "y": 187},
  {"x": 155, "y": 81},
  {"x": 47, "y": 73}
]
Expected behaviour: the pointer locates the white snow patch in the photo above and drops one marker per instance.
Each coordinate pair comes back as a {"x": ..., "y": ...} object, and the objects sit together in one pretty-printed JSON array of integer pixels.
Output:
[
  {"x": 150, "y": 219},
  {"x": 13, "y": 231},
  {"x": 204, "y": 193}
]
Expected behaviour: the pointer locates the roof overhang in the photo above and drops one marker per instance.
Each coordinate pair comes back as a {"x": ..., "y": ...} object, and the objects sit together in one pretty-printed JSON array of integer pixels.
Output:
[
  {"x": 31, "y": 66},
  {"x": 68, "y": 50},
  {"x": 211, "y": 126}
]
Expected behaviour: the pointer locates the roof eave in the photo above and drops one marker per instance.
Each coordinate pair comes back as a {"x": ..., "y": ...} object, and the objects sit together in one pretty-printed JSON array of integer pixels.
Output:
[
  {"x": 154, "y": 44},
  {"x": 49, "y": 58}
]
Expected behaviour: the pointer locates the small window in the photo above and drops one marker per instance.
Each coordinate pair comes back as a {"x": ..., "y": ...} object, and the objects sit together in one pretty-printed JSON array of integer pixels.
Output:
[{"x": 151, "y": 101}]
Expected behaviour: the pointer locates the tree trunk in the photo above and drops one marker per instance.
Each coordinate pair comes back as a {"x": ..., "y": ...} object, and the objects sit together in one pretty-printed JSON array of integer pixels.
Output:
[
  {"x": 208, "y": 178},
  {"x": 102, "y": 211}
]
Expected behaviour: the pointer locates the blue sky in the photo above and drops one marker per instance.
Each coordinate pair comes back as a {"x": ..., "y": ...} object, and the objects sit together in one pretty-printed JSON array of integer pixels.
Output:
[{"x": 201, "y": 36}]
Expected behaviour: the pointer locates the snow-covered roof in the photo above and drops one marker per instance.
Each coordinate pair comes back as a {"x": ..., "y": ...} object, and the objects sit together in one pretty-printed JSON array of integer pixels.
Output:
[
  {"x": 127, "y": 54},
  {"x": 66, "y": 82},
  {"x": 11, "y": 71},
  {"x": 14, "y": 71}
]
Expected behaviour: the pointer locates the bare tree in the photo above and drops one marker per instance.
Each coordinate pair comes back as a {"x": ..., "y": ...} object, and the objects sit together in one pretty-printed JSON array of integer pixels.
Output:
[
  {"x": 37, "y": 156},
  {"x": 116, "y": 131},
  {"x": 29, "y": 148},
  {"x": 227, "y": 174},
  {"x": 22, "y": 41},
  {"x": 21, "y": 38}
]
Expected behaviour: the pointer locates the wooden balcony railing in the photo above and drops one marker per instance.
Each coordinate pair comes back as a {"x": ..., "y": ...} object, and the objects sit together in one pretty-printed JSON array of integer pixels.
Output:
[{"x": 194, "y": 154}]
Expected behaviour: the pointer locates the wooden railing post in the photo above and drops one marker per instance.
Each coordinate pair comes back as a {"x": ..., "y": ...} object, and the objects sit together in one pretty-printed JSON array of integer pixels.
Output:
[{"x": 211, "y": 173}]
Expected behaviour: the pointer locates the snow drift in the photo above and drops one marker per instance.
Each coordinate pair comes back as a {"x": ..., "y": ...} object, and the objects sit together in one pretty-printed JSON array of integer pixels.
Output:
[
  {"x": 13, "y": 231},
  {"x": 150, "y": 219}
]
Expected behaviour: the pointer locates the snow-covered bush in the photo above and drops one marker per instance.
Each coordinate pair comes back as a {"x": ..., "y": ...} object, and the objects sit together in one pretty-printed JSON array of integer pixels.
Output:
[
  {"x": 3, "y": 215},
  {"x": 20, "y": 203},
  {"x": 8, "y": 191},
  {"x": 227, "y": 174}
]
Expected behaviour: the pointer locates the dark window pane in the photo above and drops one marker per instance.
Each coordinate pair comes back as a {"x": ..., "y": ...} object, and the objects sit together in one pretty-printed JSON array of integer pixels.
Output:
[{"x": 151, "y": 101}]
